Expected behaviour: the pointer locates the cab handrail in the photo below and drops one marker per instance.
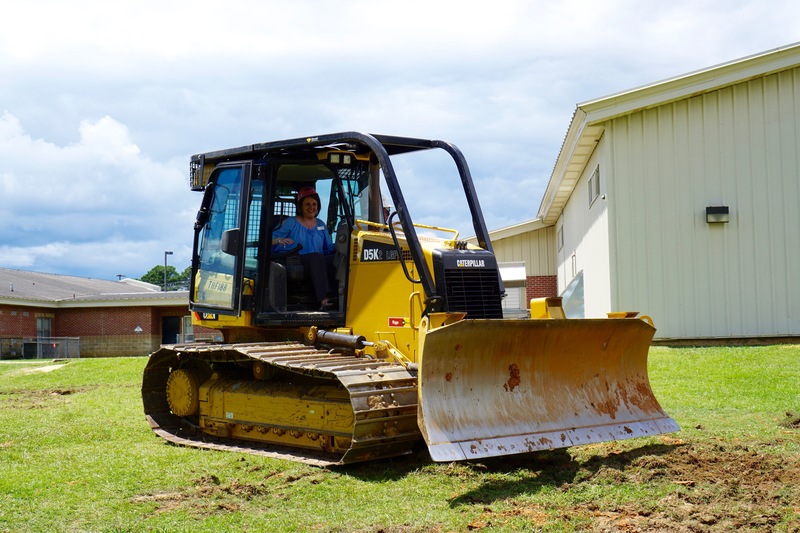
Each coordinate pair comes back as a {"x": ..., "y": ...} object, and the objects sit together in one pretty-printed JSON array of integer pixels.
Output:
[{"x": 364, "y": 225}]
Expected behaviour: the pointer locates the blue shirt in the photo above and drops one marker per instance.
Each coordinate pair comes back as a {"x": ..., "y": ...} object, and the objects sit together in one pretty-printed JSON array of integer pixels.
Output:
[{"x": 314, "y": 240}]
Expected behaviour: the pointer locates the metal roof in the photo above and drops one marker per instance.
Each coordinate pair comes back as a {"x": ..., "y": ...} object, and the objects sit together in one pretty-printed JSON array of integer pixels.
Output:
[
  {"x": 519, "y": 228},
  {"x": 20, "y": 287}
]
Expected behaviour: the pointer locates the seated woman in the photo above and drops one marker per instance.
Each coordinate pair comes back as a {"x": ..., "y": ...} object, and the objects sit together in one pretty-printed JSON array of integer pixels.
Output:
[{"x": 317, "y": 251}]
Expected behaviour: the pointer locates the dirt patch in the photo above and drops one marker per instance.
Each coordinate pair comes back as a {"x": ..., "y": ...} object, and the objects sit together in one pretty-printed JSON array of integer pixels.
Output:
[
  {"x": 37, "y": 399},
  {"x": 707, "y": 487},
  {"x": 514, "y": 379},
  {"x": 207, "y": 495},
  {"x": 717, "y": 488},
  {"x": 210, "y": 486},
  {"x": 40, "y": 369},
  {"x": 792, "y": 421}
]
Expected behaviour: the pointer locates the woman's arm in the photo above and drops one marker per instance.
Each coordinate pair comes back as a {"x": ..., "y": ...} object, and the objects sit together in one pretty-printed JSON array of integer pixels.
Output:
[
  {"x": 281, "y": 234},
  {"x": 327, "y": 244}
]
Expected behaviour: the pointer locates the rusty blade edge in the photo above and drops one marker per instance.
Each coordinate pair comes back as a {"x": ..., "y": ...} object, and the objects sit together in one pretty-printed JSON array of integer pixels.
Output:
[{"x": 517, "y": 444}]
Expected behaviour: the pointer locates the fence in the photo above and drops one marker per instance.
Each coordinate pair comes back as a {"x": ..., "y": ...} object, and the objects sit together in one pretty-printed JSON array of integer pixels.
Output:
[{"x": 40, "y": 348}]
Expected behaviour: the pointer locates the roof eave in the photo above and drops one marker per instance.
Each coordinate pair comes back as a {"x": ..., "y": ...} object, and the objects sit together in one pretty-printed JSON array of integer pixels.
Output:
[
  {"x": 28, "y": 302},
  {"x": 518, "y": 229},
  {"x": 180, "y": 299},
  {"x": 511, "y": 231},
  {"x": 693, "y": 83},
  {"x": 130, "y": 302},
  {"x": 579, "y": 145}
]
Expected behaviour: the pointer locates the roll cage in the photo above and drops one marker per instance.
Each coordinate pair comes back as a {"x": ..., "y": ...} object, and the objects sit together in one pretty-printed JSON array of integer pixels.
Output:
[{"x": 379, "y": 149}]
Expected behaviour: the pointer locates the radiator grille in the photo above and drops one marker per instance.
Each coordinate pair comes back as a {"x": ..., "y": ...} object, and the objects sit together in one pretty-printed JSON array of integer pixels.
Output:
[{"x": 473, "y": 291}]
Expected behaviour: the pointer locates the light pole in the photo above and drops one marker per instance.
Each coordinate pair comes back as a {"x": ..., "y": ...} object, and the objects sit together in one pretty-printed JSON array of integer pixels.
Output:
[{"x": 165, "y": 269}]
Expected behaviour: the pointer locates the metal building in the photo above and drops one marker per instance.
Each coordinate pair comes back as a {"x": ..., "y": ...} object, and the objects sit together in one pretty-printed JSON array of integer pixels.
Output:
[{"x": 681, "y": 199}]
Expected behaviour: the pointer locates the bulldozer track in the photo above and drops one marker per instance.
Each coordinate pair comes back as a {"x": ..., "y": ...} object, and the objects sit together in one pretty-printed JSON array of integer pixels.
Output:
[{"x": 383, "y": 396}]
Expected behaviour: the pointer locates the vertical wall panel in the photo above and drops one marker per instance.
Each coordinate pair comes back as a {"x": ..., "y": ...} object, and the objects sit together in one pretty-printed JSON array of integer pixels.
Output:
[
  {"x": 739, "y": 147},
  {"x": 586, "y": 239},
  {"x": 536, "y": 248}
]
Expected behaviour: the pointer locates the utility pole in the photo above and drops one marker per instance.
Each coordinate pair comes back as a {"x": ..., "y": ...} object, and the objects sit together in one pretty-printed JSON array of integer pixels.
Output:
[{"x": 165, "y": 269}]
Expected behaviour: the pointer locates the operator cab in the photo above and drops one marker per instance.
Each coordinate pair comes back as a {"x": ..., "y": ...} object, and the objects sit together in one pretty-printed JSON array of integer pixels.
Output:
[{"x": 235, "y": 266}]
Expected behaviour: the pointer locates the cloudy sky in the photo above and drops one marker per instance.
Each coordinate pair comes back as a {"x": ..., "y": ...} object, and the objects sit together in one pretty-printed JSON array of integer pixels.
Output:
[{"x": 102, "y": 103}]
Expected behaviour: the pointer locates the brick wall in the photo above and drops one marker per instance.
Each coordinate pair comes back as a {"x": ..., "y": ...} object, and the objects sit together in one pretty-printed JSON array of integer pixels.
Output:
[
  {"x": 110, "y": 331},
  {"x": 103, "y": 331},
  {"x": 16, "y": 321},
  {"x": 99, "y": 321},
  {"x": 541, "y": 287},
  {"x": 203, "y": 334}
]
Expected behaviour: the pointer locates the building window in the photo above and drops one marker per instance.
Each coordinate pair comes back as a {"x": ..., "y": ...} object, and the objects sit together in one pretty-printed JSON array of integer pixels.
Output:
[
  {"x": 514, "y": 304},
  {"x": 188, "y": 329},
  {"x": 559, "y": 238},
  {"x": 514, "y": 298},
  {"x": 594, "y": 185},
  {"x": 43, "y": 327},
  {"x": 574, "y": 261}
]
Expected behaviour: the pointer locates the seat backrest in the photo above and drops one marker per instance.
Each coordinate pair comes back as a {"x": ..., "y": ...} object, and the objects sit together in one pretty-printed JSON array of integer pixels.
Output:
[{"x": 342, "y": 245}]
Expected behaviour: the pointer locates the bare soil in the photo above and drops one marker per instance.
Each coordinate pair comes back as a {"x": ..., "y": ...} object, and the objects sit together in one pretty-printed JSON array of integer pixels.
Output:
[
  {"x": 38, "y": 398},
  {"x": 722, "y": 488},
  {"x": 708, "y": 487}
]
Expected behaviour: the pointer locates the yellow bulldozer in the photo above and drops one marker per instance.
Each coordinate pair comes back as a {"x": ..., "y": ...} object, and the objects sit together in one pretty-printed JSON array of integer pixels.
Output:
[{"x": 412, "y": 345}]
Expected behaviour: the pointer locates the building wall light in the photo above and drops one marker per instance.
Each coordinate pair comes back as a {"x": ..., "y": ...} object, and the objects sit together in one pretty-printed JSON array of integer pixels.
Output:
[{"x": 717, "y": 213}]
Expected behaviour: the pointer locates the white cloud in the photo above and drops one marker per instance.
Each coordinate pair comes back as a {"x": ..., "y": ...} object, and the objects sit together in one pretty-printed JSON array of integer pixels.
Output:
[
  {"x": 95, "y": 204},
  {"x": 22, "y": 257},
  {"x": 101, "y": 110}
]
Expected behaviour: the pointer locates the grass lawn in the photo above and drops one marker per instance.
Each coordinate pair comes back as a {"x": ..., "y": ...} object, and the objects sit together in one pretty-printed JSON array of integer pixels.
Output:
[{"x": 77, "y": 455}]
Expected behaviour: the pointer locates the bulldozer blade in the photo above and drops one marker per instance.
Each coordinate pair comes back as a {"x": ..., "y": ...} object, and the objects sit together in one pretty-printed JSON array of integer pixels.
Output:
[{"x": 501, "y": 387}]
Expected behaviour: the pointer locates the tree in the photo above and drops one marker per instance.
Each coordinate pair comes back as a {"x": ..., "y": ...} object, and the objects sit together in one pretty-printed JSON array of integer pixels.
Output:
[
  {"x": 183, "y": 279},
  {"x": 175, "y": 281}
]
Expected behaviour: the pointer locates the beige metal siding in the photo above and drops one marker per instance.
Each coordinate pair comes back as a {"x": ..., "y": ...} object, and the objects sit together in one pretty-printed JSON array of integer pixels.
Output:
[
  {"x": 738, "y": 146},
  {"x": 586, "y": 240},
  {"x": 536, "y": 248}
]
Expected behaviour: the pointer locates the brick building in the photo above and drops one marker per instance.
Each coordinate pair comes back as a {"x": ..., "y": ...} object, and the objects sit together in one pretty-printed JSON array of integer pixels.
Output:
[{"x": 103, "y": 318}]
